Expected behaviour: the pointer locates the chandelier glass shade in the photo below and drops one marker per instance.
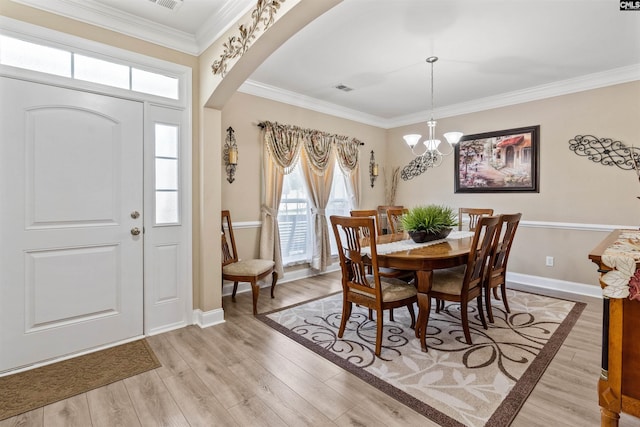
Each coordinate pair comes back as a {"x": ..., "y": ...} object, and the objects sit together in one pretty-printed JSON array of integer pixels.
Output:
[{"x": 432, "y": 151}]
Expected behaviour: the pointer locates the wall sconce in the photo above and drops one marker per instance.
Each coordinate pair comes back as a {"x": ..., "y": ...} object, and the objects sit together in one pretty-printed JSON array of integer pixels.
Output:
[
  {"x": 373, "y": 169},
  {"x": 230, "y": 154}
]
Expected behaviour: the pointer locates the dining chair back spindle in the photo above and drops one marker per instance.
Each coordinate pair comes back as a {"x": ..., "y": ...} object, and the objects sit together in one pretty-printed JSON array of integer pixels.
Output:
[
  {"x": 384, "y": 272},
  {"x": 362, "y": 283},
  {"x": 463, "y": 285},
  {"x": 394, "y": 219},
  {"x": 497, "y": 269},
  {"x": 384, "y": 220},
  {"x": 474, "y": 215},
  {"x": 249, "y": 270},
  {"x": 369, "y": 213}
]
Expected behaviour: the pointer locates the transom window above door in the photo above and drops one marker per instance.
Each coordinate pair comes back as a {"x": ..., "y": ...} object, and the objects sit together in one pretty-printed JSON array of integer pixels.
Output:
[{"x": 65, "y": 63}]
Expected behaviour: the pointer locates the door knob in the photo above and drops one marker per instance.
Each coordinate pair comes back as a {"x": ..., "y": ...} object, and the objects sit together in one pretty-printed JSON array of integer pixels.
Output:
[{"x": 135, "y": 231}]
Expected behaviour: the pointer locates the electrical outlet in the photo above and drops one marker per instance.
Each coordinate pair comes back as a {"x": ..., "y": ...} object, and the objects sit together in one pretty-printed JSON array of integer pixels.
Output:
[{"x": 549, "y": 261}]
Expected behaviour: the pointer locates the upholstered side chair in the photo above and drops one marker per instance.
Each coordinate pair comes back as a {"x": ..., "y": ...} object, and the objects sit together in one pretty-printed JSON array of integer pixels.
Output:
[{"x": 249, "y": 270}]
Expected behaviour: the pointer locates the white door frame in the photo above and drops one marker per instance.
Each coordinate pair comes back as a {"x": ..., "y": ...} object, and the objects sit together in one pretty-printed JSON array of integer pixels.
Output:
[{"x": 46, "y": 36}]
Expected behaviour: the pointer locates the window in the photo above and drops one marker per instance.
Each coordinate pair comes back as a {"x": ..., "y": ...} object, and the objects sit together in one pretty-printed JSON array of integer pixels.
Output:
[
  {"x": 154, "y": 84},
  {"x": 45, "y": 59},
  {"x": 166, "y": 178},
  {"x": 31, "y": 56},
  {"x": 99, "y": 71},
  {"x": 294, "y": 215}
]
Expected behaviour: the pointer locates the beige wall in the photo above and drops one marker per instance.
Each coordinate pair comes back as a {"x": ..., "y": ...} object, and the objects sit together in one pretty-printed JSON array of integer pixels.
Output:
[
  {"x": 573, "y": 189},
  {"x": 243, "y": 197}
]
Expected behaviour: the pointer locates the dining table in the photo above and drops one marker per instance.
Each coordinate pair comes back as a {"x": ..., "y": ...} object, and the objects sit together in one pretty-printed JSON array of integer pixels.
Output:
[{"x": 423, "y": 259}]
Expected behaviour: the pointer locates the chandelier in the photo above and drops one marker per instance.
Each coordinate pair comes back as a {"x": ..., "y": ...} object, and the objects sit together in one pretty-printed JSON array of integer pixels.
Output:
[{"x": 431, "y": 156}]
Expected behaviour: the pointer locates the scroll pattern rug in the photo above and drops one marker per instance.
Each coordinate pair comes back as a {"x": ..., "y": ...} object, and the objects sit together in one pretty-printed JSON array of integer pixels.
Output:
[
  {"x": 453, "y": 384},
  {"x": 41, "y": 386}
]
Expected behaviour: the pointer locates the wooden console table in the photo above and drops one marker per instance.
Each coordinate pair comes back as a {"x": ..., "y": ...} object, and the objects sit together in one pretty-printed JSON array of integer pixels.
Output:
[{"x": 619, "y": 384}]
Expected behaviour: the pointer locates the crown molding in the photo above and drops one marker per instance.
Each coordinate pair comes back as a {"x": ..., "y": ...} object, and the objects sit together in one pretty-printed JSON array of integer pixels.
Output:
[
  {"x": 94, "y": 13},
  {"x": 564, "y": 87},
  {"x": 262, "y": 90},
  {"x": 218, "y": 24}
]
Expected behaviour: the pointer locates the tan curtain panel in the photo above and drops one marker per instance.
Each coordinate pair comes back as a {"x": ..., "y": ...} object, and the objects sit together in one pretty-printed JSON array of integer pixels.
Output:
[
  {"x": 283, "y": 146},
  {"x": 319, "y": 189}
]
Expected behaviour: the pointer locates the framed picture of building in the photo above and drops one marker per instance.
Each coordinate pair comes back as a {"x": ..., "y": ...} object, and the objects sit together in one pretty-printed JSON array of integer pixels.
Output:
[{"x": 501, "y": 161}]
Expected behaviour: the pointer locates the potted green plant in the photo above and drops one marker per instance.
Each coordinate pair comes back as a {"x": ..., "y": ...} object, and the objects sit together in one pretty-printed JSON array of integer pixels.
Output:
[{"x": 430, "y": 222}]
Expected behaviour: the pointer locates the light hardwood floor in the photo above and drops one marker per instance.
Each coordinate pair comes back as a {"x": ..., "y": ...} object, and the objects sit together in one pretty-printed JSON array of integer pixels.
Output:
[{"x": 243, "y": 373}]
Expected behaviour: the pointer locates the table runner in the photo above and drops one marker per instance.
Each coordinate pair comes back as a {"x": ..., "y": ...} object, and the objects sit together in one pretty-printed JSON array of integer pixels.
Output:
[
  {"x": 407, "y": 245},
  {"x": 622, "y": 256}
]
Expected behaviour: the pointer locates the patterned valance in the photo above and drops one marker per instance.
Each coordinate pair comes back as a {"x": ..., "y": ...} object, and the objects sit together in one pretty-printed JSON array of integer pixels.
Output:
[{"x": 284, "y": 143}]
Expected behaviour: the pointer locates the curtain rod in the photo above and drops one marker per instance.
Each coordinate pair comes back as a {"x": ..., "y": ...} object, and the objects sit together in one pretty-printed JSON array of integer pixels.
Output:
[{"x": 261, "y": 125}]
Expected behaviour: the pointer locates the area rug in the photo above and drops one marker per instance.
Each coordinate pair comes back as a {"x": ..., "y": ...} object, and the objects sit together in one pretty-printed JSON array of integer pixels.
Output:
[
  {"x": 25, "y": 391},
  {"x": 453, "y": 384}
]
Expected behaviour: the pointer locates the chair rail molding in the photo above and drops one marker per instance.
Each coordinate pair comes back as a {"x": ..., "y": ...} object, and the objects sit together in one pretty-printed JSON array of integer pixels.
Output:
[
  {"x": 246, "y": 224},
  {"x": 529, "y": 224},
  {"x": 574, "y": 226}
]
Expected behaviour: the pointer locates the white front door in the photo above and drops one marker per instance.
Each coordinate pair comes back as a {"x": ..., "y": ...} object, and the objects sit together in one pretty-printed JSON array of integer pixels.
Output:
[{"x": 71, "y": 263}]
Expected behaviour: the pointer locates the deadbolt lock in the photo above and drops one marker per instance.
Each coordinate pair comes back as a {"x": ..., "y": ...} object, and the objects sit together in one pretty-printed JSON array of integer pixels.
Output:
[{"x": 135, "y": 214}]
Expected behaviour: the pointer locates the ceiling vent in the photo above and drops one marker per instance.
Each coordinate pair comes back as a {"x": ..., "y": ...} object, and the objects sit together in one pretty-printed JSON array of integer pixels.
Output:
[
  {"x": 344, "y": 88},
  {"x": 169, "y": 4}
]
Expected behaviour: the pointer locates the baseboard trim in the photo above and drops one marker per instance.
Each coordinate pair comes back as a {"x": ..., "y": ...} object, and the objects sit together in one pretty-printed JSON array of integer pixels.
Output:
[
  {"x": 546, "y": 285},
  {"x": 204, "y": 319},
  {"x": 290, "y": 276}
]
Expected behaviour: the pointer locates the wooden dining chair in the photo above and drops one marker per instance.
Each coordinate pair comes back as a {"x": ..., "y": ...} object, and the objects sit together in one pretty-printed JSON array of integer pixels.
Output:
[
  {"x": 384, "y": 272},
  {"x": 248, "y": 270},
  {"x": 497, "y": 269},
  {"x": 382, "y": 215},
  {"x": 362, "y": 283},
  {"x": 462, "y": 286},
  {"x": 372, "y": 213},
  {"x": 394, "y": 218},
  {"x": 474, "y": 214}
]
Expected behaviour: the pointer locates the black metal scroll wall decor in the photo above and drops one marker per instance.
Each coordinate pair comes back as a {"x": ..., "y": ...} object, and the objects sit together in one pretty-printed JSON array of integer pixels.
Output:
[
  {"x": 606, "y": 151},
  {"x": 418, "y": 166}
]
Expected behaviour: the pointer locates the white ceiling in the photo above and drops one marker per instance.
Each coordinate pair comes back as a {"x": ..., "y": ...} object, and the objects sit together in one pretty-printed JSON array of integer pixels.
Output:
[{"x": 492, "y": 52}]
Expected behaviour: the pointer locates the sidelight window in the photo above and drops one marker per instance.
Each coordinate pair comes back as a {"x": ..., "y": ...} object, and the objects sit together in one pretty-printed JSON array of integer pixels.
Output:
[{"x": 167, "y": 174}]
